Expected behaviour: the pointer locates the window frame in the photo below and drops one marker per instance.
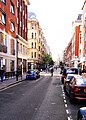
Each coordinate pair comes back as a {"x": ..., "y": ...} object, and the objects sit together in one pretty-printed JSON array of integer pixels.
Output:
[
  {"x": 12, "y": 8},
  {"x": 3, "y": 1},
  {"x": 32, "y": 36},
  {"x": 12, "y": 26},
  {"x": 3, "y": 17},
  {"x": 35, "y": 54}
]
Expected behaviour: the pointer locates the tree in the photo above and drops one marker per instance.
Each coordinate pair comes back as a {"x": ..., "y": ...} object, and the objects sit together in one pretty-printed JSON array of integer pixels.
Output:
[{"x": 47, "y": 60}]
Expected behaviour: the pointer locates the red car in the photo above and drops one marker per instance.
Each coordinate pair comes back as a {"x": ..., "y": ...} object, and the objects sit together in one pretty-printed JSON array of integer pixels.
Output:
[{"x": 76, "y": 88}]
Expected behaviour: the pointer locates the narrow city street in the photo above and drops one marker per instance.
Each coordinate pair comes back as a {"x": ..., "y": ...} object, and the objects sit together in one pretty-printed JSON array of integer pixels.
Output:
[{"x": 39, "y": 99}]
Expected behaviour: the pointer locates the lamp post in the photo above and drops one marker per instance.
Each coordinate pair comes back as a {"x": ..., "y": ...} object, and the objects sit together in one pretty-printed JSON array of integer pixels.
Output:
[{"x": 17, "y": 57}]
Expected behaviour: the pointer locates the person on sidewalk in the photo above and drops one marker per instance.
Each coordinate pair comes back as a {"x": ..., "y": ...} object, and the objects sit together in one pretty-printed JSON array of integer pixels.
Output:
[
  {"x": 2, "y": 74},
  {"x": 52, "y": 70}
]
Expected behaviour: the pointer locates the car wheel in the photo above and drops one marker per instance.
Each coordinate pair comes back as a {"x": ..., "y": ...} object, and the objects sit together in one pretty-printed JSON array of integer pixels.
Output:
[
  {"x": 66, "y": 93},
  {"x": 79, "y": 116},
  {"x": 62, "y": 80},
  {"x": 72, "y": 100}
]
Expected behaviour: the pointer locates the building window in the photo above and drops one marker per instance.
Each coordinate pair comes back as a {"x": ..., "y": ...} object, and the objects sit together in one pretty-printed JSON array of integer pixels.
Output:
[
  {"x": 2, "y": 18},
  {"x": 12, "y": 8},
  {"x": 39, "y": 56},
  {"x": 39, "y": 48},
  {"x": 21, "y": 48},
  {"x": 3, "y": 1},
  {"x": 35, "y": 35},
  {"x": 5, "y": 41},
  {"x": 12, "y": 46},
  {"x": 35, "y": 44},
  {"x": 1, "y": 38},
  {"x": 20, "y": 8},
  {"x": 32, "y": 45},
  {"x": 31, "y": 54},
  {"x": 35, "y": 55},
  {"x": 12, "y": 26},
  {"x": 39, "y": 40},
  {"x": 33, "y": 26},
  {"x": 12, "y": 65},
  {"x": 23, "y": 12},
  {"x": 32, "y": 35}
]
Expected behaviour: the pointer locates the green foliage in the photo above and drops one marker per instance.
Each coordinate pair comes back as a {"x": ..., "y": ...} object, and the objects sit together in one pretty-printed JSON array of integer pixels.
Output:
[{"x": 47, "y": 59}]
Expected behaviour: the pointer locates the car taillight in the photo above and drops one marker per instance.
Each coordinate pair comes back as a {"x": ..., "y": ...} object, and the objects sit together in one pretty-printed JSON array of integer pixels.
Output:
[{"x": 76, "y": 89}]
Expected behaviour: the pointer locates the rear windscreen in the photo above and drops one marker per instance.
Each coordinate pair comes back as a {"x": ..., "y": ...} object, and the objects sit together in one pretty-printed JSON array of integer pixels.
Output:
[{"x": 72, "y": 71}]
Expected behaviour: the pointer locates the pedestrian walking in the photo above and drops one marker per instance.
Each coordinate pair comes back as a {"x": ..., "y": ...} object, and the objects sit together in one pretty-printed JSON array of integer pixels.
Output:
[
  {"x": 2, "y": 74},
  {"x": 52, "y": 70}
]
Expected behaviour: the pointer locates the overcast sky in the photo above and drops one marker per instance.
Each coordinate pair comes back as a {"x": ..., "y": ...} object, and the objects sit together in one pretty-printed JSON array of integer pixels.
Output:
[{"x": 55, "y": 18}]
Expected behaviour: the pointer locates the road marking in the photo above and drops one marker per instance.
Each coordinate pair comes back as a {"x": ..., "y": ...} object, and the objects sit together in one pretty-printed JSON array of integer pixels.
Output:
[
  {"x": 10, "y": 86},
  {"x": 64, "y": 101},
  {"x": 67, "y": 111},
  {"x": 64, "y": 97},
  {"x": 66, "y": 106}
]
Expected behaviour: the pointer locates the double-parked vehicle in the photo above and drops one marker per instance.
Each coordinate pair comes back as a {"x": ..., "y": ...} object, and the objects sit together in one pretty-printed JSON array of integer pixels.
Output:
[
  {"x": 32, "y": 74},
  {"x": 66, "y": 71},
  {"x": 75, "y": 88}
]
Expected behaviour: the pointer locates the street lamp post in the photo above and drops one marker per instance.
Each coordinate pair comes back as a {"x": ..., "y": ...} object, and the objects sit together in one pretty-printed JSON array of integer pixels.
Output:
[{"x": 17, "y": 57}]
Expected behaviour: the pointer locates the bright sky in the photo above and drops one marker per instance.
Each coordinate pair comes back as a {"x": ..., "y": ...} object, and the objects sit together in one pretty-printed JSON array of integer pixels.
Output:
[{"x": 55, "y": 18}]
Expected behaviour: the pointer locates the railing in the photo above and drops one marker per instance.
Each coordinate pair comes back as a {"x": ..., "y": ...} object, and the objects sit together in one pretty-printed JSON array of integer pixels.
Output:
[{"x": 12, "y": 74}]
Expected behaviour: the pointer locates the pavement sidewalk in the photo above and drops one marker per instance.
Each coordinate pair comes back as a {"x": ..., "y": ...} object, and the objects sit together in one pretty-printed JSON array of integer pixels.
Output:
[{"x": 10, "y": 81}]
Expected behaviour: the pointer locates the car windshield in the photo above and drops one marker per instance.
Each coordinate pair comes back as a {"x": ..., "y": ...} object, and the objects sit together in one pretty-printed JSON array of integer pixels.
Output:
[
  {"x": 30, "y": 71},
  {"x": 69, "y": 77},
  {"x": 80, "y": 81}
]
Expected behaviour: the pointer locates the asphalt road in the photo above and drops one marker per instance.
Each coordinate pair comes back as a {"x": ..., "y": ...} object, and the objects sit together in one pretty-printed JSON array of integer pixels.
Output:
[{"x": 41, "y": 99}]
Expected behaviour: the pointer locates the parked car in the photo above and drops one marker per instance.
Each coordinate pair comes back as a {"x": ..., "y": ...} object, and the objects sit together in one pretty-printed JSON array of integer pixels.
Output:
[
  {"x": 76, "y": 88},
  {"x": 67, "y": 71},
  {"x": 67, "y": 80},
  {"x": 32, "y": 74},
  {"x": 81, "y": 115}
]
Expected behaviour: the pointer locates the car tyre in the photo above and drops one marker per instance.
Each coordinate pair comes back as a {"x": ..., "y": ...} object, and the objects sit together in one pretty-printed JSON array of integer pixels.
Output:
[{"x": 62, "y": 80}]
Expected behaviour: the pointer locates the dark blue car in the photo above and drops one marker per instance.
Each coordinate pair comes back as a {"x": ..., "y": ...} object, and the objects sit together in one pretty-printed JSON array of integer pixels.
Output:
[
  {"x": 81, "y": 114},
  {"x": 32, "y": 74}
]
